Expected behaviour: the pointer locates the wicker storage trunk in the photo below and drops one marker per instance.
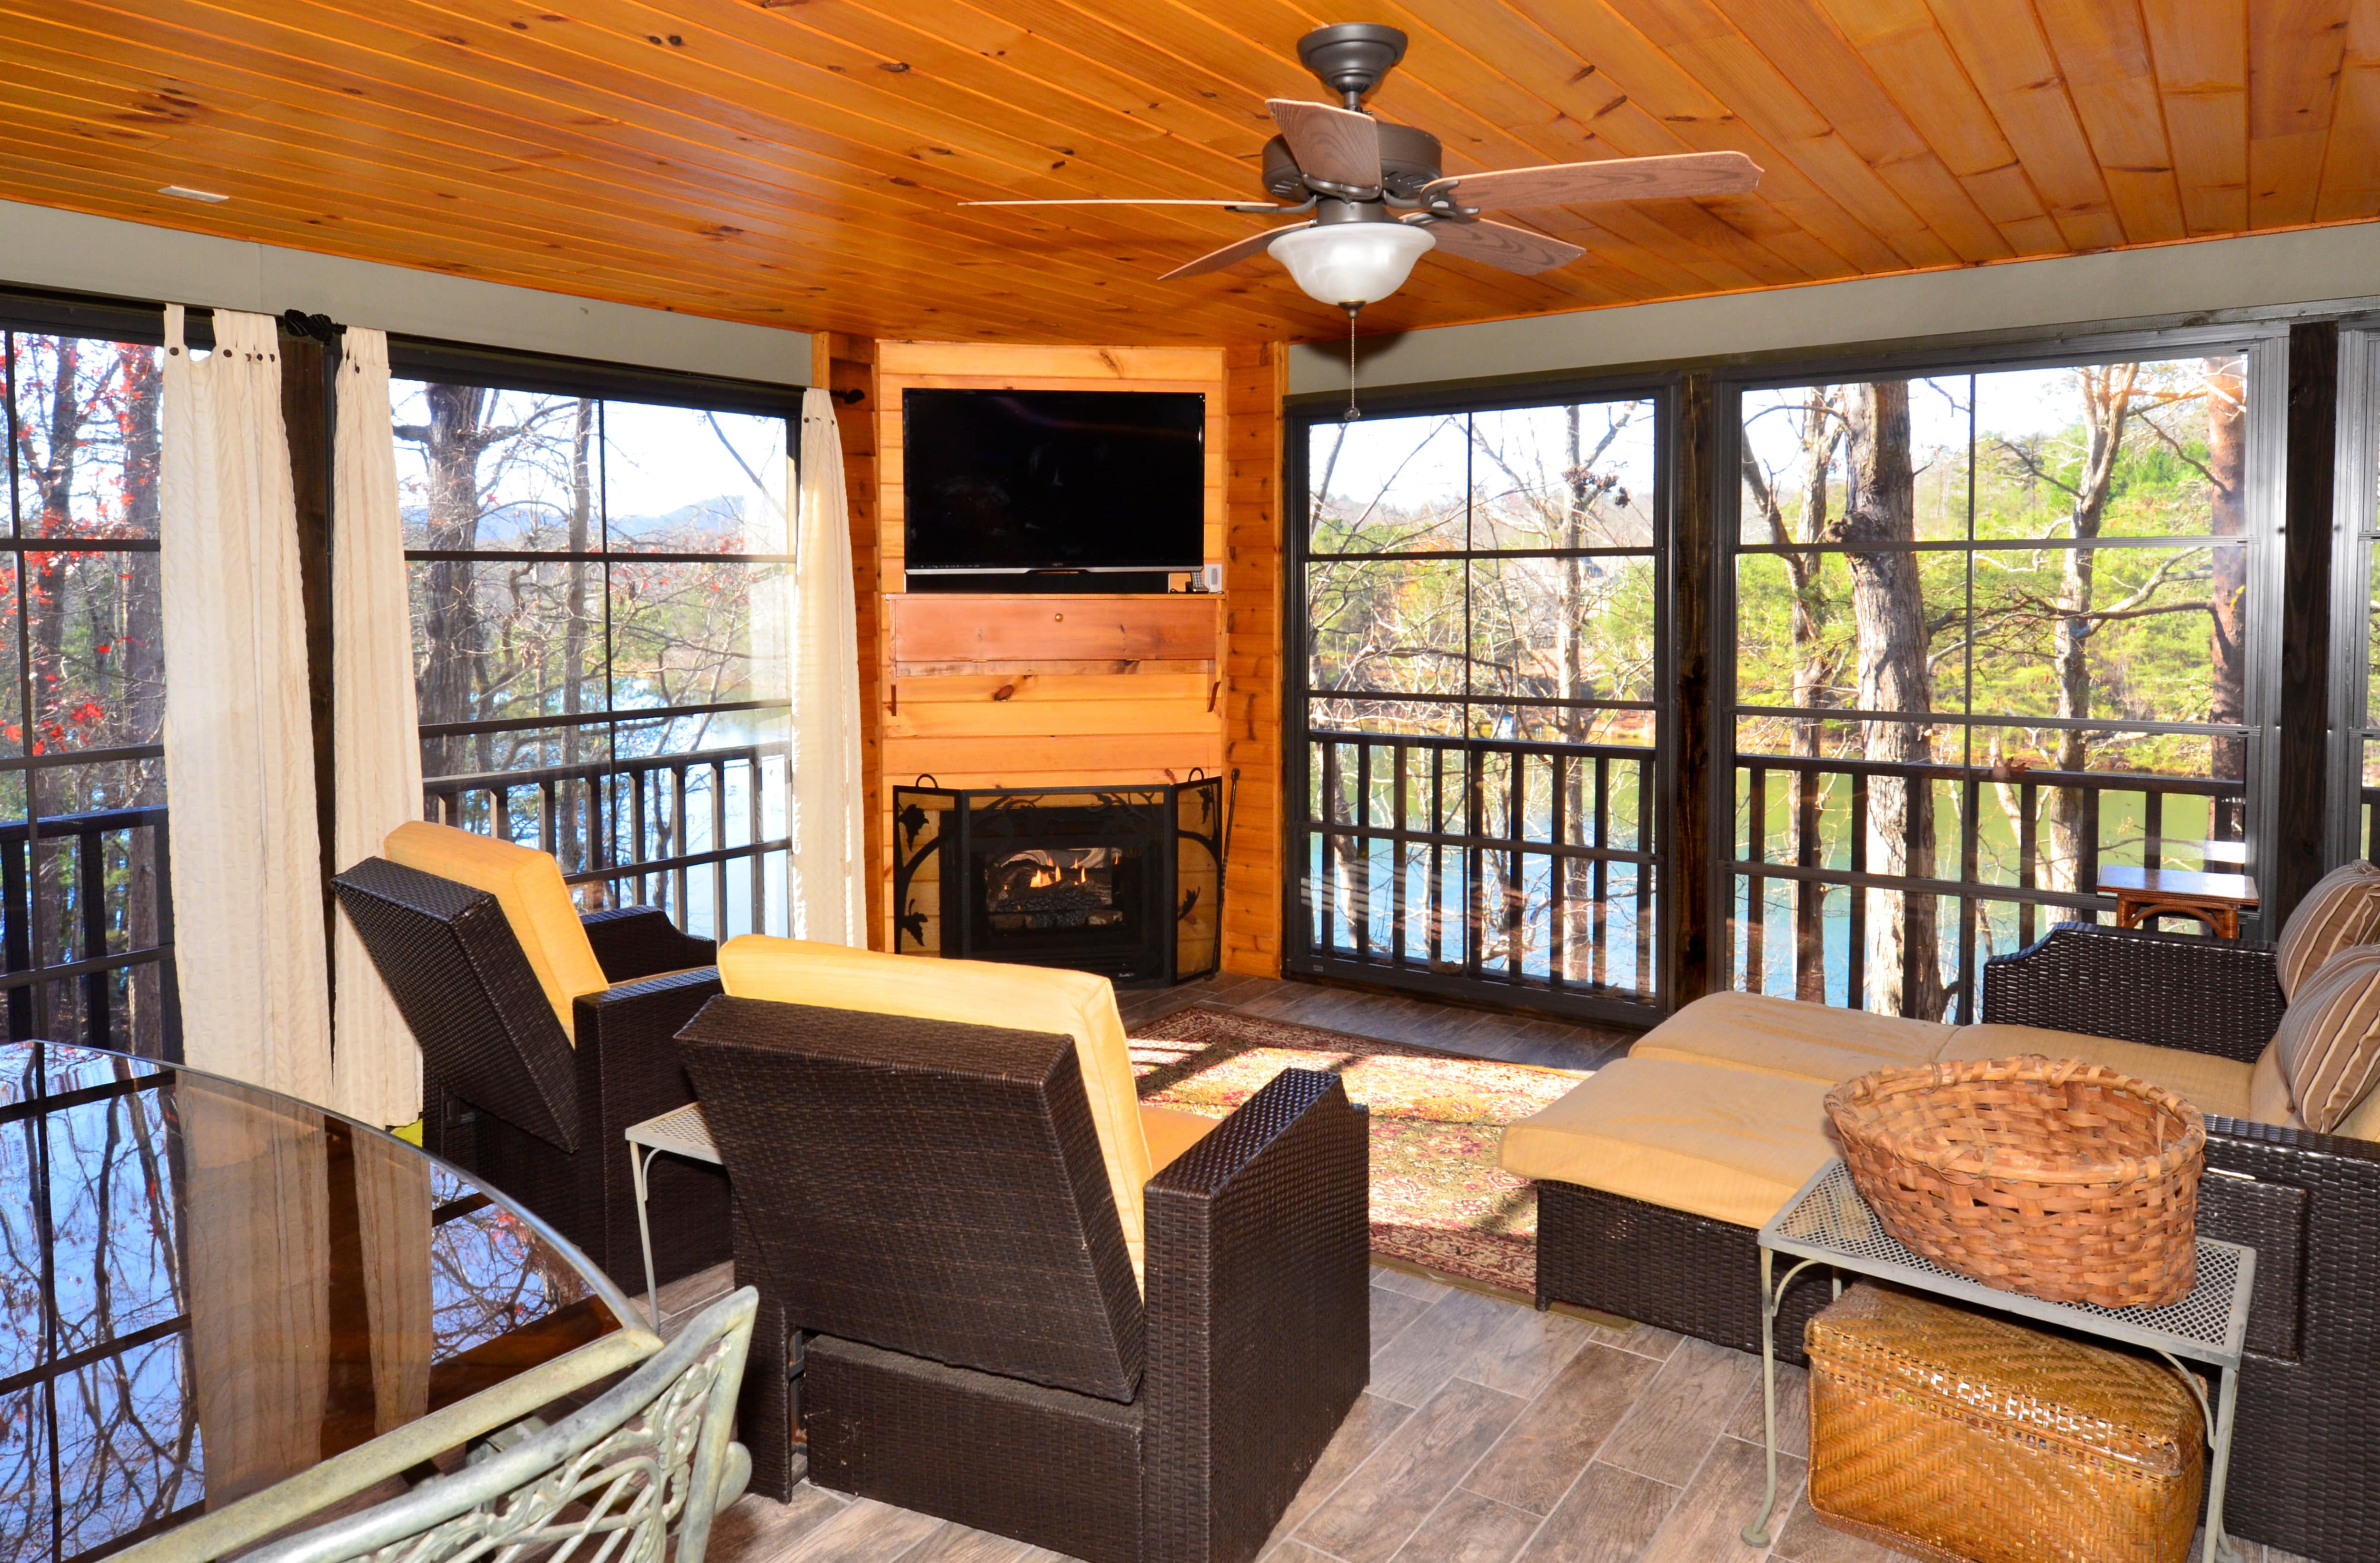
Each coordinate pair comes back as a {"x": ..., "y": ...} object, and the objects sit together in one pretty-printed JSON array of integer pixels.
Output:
[{"x": 1953, "y": 1434}]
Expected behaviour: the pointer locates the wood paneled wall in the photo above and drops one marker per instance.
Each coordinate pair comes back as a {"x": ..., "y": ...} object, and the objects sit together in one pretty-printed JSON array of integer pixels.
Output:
[
  {"x": 1254, "y": 379},
  {"x": 1016, "y": 727}
]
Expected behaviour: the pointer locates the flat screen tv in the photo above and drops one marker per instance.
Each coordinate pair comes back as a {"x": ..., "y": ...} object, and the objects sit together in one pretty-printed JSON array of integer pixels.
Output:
[{"x": 1009, "y": 483}]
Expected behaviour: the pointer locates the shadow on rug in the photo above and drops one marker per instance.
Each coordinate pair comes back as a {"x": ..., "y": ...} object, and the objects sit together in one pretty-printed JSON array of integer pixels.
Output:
[{"x": 1438, "y": 1198}]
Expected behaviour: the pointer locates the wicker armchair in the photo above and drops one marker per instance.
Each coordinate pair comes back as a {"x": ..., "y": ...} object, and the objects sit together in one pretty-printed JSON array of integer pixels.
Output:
[
  {"x": 925, "y": 1209},
  {"x": 505, "y": 1092}
]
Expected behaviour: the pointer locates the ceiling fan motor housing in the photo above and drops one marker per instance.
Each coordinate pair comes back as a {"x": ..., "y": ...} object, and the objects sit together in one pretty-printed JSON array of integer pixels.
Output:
[
  {"x": 1409, "y": 159},
  {"x": 1351, "y": 58}
]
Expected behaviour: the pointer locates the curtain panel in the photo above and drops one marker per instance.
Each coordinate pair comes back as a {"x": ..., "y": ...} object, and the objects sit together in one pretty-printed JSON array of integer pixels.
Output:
[
  {"x": 246, "y": 863},
  {"x": 830, "y": 900},
  {"x": 376, "y": 1067}
]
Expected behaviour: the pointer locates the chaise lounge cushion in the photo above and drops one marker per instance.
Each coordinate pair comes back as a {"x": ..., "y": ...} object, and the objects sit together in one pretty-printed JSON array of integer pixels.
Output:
[
  {"x": 2208, "y": 1082},
  {"x": 528, "y": 890},
  {"x": 1727, "y": 1144},
  {"x": 1784, "y": 1037},
  {"x": 1075, "y": 1004}
]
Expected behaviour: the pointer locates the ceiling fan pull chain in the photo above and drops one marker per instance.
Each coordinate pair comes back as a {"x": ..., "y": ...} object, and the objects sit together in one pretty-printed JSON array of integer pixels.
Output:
[{"x": 1354, "y": 412}]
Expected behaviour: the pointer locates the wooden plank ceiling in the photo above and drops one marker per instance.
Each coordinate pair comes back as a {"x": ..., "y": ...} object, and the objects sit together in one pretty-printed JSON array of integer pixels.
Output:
[{"x": 800, "y": 163}]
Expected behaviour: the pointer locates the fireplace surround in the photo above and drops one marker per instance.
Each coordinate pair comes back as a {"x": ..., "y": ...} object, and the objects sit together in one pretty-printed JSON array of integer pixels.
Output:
[{"x": 1124, "y": 881}]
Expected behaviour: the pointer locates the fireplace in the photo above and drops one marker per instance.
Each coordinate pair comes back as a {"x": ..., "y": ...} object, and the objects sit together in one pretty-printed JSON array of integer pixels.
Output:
[{"x": 1123, "y": 882}]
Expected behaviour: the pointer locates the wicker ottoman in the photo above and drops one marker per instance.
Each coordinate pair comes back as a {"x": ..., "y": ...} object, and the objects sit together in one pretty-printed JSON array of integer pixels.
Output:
[{"x": 1957, "y": 1435}]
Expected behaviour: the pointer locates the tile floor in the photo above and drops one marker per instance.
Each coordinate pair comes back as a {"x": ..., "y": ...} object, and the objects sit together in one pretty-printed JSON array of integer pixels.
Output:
[{"x": 1490, "y": 1433}]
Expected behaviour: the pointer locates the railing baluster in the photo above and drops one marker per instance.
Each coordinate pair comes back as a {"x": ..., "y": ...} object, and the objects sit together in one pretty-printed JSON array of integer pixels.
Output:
[
  {"x": 719, "y": 844},
  {"x": 1436, "y": 857},
  {"x": 2028, "y": 850},
  {"x": 1756, "y": 902},
  {"x": 1402, "y": 858},
  {"x": 1475, "y": 861},
  {"x": 1855, "y": 981},
  {"x": 1359, "y": 886},
  {"x": 1516, "y": 813},
  {"x": 1558, "y": 867},
  {"x": 91, "y": 894},
  {"x": 1326, "y": 902},
  {"x": 1600, "y": 871}
]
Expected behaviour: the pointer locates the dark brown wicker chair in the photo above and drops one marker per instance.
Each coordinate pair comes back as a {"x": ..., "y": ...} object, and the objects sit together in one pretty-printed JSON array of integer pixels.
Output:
[
  {"x": 924, "y": 1207},
  {"x": 2306, "y": 1464},
  {"x": 507, "y": 1095}
]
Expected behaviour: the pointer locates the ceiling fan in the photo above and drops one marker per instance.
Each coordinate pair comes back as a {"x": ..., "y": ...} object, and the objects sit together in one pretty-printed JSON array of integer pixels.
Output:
[{"x": 1376, "y": 200}]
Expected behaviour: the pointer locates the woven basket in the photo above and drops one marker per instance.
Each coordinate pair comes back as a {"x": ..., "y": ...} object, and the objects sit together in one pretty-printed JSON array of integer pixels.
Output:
[
  {"x": 2064, "y": 1181},
  {"x": 1962, "y": 1438}
]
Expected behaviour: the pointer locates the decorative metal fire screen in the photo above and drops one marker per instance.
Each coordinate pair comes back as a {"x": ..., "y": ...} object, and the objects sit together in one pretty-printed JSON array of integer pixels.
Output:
[{"x": 1123, "y": 882}]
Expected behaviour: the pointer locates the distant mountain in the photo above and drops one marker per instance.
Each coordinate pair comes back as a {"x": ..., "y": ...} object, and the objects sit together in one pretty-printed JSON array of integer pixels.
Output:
[{"x": 699, "y": 527}]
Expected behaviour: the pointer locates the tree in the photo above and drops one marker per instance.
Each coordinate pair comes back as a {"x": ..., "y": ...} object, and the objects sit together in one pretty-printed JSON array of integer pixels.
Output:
[{"x": 1895, "y": 675}]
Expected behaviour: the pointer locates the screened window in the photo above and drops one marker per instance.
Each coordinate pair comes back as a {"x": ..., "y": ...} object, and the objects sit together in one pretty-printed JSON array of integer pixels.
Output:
[
  {"x": 88, "y": 936},
  {"x": 1481, "y": 623},
  {"x": 1996, "y": 632},
  {"x": 599, "y": 632}
]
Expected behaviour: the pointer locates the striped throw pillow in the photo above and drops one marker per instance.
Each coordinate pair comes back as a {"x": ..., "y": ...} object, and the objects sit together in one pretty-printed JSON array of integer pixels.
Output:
[
  {"x": 2342, "y": 908},
  {"x": 2329, "y": 1039}
]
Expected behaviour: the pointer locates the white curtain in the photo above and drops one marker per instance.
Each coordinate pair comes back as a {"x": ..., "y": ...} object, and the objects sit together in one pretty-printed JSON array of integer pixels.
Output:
[
  {"x": 239, "y": 745},
  {"x": 829, "y": 898},
  {"x": 376, "y": 1069}
]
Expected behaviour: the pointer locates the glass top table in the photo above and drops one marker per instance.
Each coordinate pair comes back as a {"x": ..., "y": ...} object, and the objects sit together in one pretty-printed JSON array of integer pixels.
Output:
[{"x": 206, "y": 1288}]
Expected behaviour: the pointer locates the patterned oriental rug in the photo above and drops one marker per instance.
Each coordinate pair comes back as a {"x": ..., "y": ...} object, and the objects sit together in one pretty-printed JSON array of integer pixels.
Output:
[{"x": 1438, "y": 1198}]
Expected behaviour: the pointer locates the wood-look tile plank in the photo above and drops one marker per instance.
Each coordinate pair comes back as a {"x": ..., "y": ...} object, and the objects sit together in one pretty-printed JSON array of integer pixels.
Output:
[
  {"x": 1792, "y": 1410},
  {"x": 1681, "y": 1412},
  {"x": 759, "y": 1529},
  {"x": 1439, "y": 1346},
  {"x": 1523, "y": 1357},
  {"x": 1645, "y": 1340},
  {"x": 1468, "y": 1528},
  {"x": 1388, "y": 1497},
  {"x": 1366, "y": 1427},
  {"x": 1538, "y": 1459},
  {"x": 1408, "y": 1282},
  {"x": 1392, "y": 1310},
  {"x": 1707, "y": 1526},
  {"x": 958, "y": 1544},
  {"x": 1609, "y": 1516},
  {"x": 863, "y": 1530}
]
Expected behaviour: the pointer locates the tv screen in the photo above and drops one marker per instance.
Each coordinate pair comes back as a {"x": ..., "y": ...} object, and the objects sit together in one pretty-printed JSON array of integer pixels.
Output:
[{"x": 1018, "y": 480}]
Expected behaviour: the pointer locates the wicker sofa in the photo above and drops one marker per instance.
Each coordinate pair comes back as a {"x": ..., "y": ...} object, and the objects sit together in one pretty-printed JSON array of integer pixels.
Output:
[{"x": 1653, "y": 1175}]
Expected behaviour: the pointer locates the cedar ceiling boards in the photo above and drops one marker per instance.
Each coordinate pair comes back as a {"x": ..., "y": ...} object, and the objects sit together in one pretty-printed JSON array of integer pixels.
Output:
[{"x": 800, "y": 163}]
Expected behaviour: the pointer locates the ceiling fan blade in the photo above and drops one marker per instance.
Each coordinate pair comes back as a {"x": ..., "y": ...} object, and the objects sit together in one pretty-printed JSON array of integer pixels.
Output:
[
  {"x": 1125, "y": 200},
  {"x": 1619, "y": 178},
  {"x": 1230, "y": 255},
  {"x": 1499, "y": 244},
  {"x": 1329, "y": 143}
]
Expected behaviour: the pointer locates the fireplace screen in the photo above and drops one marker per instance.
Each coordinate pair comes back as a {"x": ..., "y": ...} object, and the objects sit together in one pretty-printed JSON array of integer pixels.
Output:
[{"x": 1124, "y": 881}]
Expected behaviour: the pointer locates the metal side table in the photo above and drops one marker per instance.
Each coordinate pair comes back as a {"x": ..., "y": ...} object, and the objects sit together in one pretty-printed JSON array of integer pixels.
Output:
[
  {"x": 1829, "y": 1223},
  {"x": 680, "y": 1132}
]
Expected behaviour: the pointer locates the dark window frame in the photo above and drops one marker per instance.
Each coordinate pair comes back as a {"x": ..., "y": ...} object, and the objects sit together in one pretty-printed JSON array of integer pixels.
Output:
[{"x": 1299, "y": 954}]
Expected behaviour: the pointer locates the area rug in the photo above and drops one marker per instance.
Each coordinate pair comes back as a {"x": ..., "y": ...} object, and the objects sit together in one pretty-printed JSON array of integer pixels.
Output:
[{"x": 1438, "y": 1198}]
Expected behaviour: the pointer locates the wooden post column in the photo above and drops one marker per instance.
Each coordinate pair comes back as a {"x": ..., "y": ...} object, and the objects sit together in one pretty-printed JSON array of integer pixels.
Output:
[
  {"x": 2307, "y": 522},
  {"x": 1688, "y": 897},
  {"x": 1255, "y": 378}
]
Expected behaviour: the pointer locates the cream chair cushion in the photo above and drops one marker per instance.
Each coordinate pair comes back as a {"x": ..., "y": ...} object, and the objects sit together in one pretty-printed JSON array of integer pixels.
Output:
[
  {"x": 2268, "y": 1091},
  {"x": 527, "y": 886},
  {"x": 1787, "y": 1037},
  {"x": 2343, "y": 909},
  {"x": 1074, "y": 1004},
  {"x": 1171, "y": 1132},
  {"x": 2329, "y": 1039},
  {"x": 2208, "y": 1082},
  {"x": 1727, "y": 1144}
]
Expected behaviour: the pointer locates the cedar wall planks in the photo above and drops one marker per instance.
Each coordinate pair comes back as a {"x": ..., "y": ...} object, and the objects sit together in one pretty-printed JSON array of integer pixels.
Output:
[
  {"x": 1064, "y": 723},
  {"x": 848, "y": 363},
  {"x": 1255, "y": 378}
]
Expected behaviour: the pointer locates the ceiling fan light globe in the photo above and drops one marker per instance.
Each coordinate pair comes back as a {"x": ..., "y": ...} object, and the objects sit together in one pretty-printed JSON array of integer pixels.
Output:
[{"x": 1345, "y": 263}]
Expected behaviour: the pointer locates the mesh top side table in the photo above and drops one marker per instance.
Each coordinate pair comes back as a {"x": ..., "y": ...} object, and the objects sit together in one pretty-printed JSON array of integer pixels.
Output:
[
  {"x": 682, "y": 1130},
  {"x": 1829, "y": 1223}
]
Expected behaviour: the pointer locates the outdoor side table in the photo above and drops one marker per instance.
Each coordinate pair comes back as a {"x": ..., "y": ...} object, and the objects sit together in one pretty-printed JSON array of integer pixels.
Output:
[
  {"x": 1829, "y": 1223},
  {"x": 2142, "y": 895},
  {"x": 682, "y": 1130}
]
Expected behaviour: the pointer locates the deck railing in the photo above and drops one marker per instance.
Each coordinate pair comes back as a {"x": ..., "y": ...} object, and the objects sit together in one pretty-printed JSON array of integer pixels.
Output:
[
  {"x": 640, "y": 829},
  {"x": 1822, "y": 842},
  {"x": 1450, "y": 863},
  {"x": 86, "y": 876}
]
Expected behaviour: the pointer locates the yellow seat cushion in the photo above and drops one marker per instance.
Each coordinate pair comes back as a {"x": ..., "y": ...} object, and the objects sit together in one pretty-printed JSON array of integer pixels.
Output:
[
  {"x": 527, "y": 886},
  {"x": 1788, "y": 1037},
  {"x": 1075, "y": 1004},
  {"x": 1732, "y": 1145},
  {"x": 2208, "y": 1082},
  {"x": 1171, "y": 1132}
]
